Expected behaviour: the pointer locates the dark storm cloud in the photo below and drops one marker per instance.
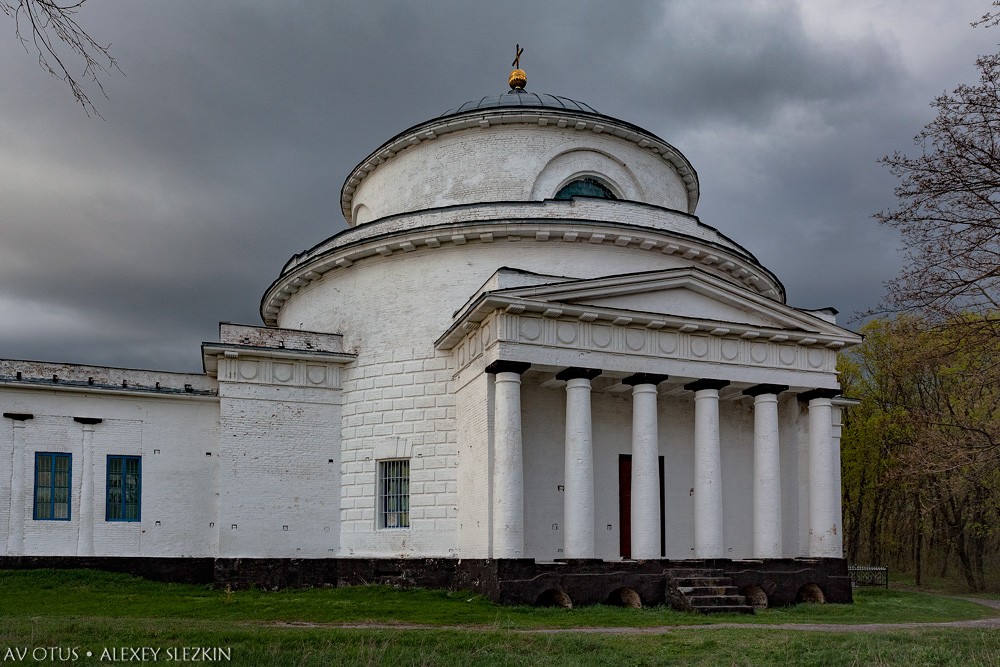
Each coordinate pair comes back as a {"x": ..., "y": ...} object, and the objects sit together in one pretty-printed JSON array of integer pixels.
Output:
[{"x": 125, "y": 241}]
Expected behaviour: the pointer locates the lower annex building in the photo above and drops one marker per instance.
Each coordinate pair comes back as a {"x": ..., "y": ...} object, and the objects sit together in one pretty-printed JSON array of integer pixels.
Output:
[{"x": 525, "y": 359}]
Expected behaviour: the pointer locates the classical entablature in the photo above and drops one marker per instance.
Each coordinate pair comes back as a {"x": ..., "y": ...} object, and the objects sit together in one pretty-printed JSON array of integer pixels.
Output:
[
  {"x": 279, "y": 357},
  {"x": 677, "y": 322}
]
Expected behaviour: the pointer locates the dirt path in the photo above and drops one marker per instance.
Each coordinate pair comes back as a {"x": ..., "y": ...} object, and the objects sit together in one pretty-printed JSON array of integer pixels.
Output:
[{"x": 984, "y": 623}]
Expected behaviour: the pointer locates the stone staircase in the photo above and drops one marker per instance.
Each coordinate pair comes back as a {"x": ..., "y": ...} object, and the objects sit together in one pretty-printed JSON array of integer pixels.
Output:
[{"x": 710, "y": 592}]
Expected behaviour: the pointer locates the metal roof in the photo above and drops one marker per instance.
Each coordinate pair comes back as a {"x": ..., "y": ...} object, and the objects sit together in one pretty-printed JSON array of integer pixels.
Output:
[{"x": 521, "y": 98}]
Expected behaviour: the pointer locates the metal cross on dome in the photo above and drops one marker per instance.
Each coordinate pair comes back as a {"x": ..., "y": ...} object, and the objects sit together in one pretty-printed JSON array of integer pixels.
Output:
[{"x": 517, "y": 58}]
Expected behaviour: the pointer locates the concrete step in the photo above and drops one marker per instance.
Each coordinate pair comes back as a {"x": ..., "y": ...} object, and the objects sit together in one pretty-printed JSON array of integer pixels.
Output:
[
  {"x": 713, "y": 582},
  {"x": 711, "y": 592},
  {"x": 688, "y": 591}
]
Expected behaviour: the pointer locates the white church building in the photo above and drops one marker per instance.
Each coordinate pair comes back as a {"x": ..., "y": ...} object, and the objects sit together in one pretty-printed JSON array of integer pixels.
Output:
[{"x": 526, "y": 358}]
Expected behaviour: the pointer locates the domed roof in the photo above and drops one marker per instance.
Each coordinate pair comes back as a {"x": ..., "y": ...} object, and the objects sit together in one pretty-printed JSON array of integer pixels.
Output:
[{"x": 522, "y": 98}]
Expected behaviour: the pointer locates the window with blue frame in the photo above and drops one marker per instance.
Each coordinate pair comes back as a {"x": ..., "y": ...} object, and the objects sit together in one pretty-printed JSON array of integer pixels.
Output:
[
  {"x": 124, "y": 488},
  {"x": 53, "y": 477}
]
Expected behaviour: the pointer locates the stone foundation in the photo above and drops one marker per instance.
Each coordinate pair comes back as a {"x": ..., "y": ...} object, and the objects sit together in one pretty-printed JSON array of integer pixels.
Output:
[{"x": 507, "y": 581}]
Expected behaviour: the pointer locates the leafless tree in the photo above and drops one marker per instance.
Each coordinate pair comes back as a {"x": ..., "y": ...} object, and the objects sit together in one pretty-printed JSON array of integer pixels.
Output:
[
  {"x": 949, "y": 207},
  {"x": 52, "y": 30}
]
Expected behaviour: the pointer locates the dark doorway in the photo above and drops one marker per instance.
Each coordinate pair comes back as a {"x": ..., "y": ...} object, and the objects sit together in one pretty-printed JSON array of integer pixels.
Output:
[{"x": 625, "y": 507}]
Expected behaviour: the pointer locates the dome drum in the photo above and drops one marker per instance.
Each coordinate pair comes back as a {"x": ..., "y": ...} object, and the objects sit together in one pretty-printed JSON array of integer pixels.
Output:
[{"x": 456, "y": 147}]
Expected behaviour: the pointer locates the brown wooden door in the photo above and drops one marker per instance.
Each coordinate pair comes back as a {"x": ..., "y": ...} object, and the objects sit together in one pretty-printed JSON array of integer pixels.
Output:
[{"x": 625, "y": 507}]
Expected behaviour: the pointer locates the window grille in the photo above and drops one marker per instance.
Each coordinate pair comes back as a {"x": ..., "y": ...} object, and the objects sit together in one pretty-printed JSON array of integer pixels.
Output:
[
  {"x": 124, "y": 488},
  {"x": 53, "y": 477},
  {"x": 394, "y": 494}
]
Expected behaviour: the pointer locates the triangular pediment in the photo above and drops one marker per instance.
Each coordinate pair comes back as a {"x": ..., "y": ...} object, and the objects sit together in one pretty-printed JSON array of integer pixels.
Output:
[
  {"x": 688, "y": 299},
  {"x": 676, "y": 293}
]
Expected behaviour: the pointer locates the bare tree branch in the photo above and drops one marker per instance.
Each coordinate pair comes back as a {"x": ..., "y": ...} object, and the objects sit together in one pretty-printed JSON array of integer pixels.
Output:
[{"x": 52, "y": 30}]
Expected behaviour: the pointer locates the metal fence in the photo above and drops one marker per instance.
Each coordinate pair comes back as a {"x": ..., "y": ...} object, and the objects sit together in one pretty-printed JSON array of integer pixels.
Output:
[{"x": 869, "y": 575}]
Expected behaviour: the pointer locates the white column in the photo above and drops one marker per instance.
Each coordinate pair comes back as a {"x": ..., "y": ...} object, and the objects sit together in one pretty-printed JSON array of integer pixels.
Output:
[
  {"x": 508, "y": 485},
  {"x": 766, "y": 473},
  {"x": 578, "y": 498},
  {"x": 508, "y": 469},
  {"x": 85, "y": 538},
  {"x": 707, "y": 469},
  {"x": 838, "y": 511},
  {"x": 824, "y": 524},
  {"x": 15, "y": 522},
  {"x": 645, "y": 510}
]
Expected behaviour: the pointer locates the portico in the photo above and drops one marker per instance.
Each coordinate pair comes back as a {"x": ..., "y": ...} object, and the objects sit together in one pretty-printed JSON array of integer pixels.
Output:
[{"x": 688, "y": 389}]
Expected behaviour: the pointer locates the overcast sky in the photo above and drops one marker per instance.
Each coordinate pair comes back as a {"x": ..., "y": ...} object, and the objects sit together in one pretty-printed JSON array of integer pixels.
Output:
[{"x": 125, "y": 241}]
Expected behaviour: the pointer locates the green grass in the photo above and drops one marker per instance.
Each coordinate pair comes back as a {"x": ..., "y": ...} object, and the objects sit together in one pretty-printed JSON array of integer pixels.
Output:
[{"x": 91, "y": 610}]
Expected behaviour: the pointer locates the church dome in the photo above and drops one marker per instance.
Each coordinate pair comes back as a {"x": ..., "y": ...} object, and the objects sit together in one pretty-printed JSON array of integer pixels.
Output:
[
  {"x": 517, "y": 146},
  {"x": 522, "y": 98}
]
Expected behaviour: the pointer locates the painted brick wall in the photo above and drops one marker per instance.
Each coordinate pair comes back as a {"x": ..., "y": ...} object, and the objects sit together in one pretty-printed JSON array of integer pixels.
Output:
[
  {"x": 475, "y": 466},
  {"x": 491, "y": 164},
  {"x": 400, "y": 404},
  {"x": 279, "y": 470},
  {"x": 170, "y": 434}
]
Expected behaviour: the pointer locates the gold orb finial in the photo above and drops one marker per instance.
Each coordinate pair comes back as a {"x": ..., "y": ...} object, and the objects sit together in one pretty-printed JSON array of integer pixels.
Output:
[{"x": 517, "y": 79}]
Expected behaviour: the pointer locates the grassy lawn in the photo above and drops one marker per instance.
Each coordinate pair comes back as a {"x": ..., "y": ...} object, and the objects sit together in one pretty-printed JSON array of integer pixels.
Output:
[{"x": 93, "y": 611}]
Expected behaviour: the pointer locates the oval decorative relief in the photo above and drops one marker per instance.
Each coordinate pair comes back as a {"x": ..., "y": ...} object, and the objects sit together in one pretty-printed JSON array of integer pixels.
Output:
[
  {"x": 487, "y": 329},
  {"x": 699, "y": 346},
  {"x": 601, "y": 335},
  {"x": 668, "y": 343},
  {"x": 758, "y": 352},
  {"x": 787, "y": 355},
  {"x": 816, "y": 358},
  {"x": 282, "y": 372},
  {"x": 730, "y": 349},
  {"x": 530, "y": 329},
  {"x": 566, "y": 333},
  {"x": 248, "y": 370},
  {"x": 316, "y": 374},
  {"x": 635, "y": 340}
]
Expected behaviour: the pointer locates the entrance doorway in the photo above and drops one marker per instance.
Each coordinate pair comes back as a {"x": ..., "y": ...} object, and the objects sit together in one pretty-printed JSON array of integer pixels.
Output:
[{"x": 625, "y": 507}]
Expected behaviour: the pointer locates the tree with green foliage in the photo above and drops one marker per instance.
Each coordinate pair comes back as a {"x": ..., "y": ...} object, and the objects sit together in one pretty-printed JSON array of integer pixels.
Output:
[{"x": 921, "y": 453}]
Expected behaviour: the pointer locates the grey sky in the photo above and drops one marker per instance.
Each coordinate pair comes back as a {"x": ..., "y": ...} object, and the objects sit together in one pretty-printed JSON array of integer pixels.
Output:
[{"x": 124, "y": 241}]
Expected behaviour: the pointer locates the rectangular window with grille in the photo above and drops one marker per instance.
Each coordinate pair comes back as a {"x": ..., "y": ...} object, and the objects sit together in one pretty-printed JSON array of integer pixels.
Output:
[
  {"x": 394, "y": 494},
  {"x": 124, "y": 488},
  {"x": 53, "y": 477}
]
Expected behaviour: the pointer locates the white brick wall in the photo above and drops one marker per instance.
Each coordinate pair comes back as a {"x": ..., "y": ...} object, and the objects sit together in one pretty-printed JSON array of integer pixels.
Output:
[
  {"x": 504, "y": 162},
  {"x": 178, "y": 480},
  {"x": 400, "y": 404}
]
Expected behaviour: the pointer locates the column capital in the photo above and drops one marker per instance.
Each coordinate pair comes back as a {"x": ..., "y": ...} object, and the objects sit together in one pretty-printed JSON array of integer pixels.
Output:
[
  {"x": 18, "y": 416},
  {"x": 503, "y": 366},
  {"x": 575, "y": 373},
  {"x": 644, "y": 378},
  {"x": 818, "y": 393},
  {"x": 706, "y": 383},
  {"x": 759, "y": 389}
]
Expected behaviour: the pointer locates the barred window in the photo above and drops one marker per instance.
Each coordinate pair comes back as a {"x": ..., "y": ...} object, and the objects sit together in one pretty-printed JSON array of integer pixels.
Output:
[
  {"x": 394, "y": 494},
  {"x": 124, "y": 488},
  {"x": 53, "y": 476}
]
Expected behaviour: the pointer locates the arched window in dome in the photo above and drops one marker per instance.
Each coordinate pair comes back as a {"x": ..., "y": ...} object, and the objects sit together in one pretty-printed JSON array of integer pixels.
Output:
[{"x": 586, "y": 187}]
